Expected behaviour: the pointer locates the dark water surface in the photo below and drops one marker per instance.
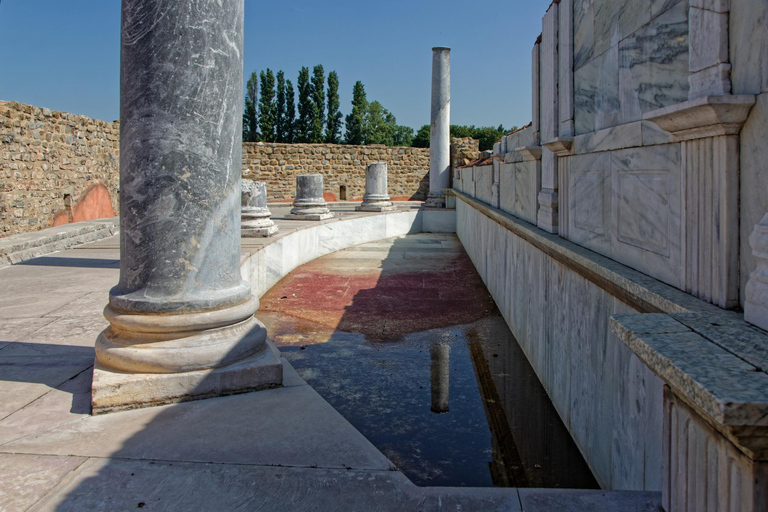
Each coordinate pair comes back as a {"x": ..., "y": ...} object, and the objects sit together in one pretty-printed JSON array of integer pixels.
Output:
[{"x": 450, "y": 406}]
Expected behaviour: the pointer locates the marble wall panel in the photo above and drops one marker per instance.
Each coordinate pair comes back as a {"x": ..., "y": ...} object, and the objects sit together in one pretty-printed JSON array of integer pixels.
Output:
[
  {"x": 520, "y": 139},
  {"x": 583, "y": 32},
  {"x": 596, "y": 93},
  {"x": 484, "y": 183},
  {"x": 616, "y": 137},
  {"x": 753, "y": 182},
  {"x": 648, "y": 211},
  {"x": 653, "y": 65},
  {"x": 610, "y": 402},
  {"x": 588, "y": 209},
  {"x": 519, "y": 187},
  {"x": 627, "y": 205},
  {"x": 660, "y": 6},
  {"x": 630, "y": 56},
  {"x": 644, "y": 215},
  {"x": 565, "y": 68},
  {"x": 536, "y": 91},
  {"x": 589, "y": 200},
  {"x": 709, "y": 38},
  {"x": 748, "y": 34},
  {"x": 549, "y": 74}
]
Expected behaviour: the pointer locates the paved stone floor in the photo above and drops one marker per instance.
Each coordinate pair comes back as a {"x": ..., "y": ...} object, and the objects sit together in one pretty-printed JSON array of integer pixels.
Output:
[{"x": 282, "y": 449}]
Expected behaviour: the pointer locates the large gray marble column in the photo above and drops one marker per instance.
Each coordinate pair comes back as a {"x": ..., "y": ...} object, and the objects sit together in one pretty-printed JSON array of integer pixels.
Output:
[
  {"x": 376, "y": 198},
  {"x": 440, "y": 128},
  {"x": 181, "y": 317},
  {"x": 309, "y": 203}
]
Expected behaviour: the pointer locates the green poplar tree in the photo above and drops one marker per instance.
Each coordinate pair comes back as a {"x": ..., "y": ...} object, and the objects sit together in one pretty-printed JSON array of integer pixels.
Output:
[
  {"x": 381, "y": 125},
  {"x": 318, "y": 105},
  {"x": 290, "y": 113},
  {"x": 333, "y": 122},
  {"x": 306, "y": 107},
  {"x": 356, "y": 120},
  {"x": 267, "y": 106},
  {"x": 280, "y": 112},
  {"x": 250, "y": 121}
]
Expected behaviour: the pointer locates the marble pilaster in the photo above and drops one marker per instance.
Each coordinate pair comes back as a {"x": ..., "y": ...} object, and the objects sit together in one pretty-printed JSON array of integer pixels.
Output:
[
  {"x": 536, "y": 92},
  {"x": 547, "y": 218},
  {"x": 440, "y": 125},
  {"x": 565, "y": 81},
  {"x": 708, "y": 129},
  {"x": 181, "y": 317},
  {"x": 254, "y": 213},
  {"x": 309, "y": 203},
  {"x": 376, "y": 198}
]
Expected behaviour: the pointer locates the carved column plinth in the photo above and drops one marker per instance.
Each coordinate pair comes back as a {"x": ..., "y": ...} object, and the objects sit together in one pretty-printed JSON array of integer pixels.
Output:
[
  {"x": 376, "y": 198},
  {"x": 254, "y": 213},
  {"x": 440, "y": 126},
  {"x": 756, "y": 304},
  {"x": 181, "y": 317},
  {"x": 309, "y": 203}
]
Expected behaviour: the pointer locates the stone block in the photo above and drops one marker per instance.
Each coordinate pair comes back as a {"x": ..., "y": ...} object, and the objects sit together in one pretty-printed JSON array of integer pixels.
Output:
[
  {"x": 708, "y": 38},
  {"x": 748, "y": 42},
  {"x": 117, "y": 391}
]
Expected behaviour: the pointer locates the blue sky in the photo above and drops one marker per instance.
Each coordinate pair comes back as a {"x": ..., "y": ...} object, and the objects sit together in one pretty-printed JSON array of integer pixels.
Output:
[{"x": 65, "y": 54}]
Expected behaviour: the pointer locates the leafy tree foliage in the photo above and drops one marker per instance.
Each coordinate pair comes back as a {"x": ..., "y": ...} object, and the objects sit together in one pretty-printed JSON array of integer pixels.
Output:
[
  {"x": 356, "y": 120},
  {"x": 306, "y": 107},
  {"x": 267, "y": 106},
  {"x": 333, "y": 121},
  {"x": 290, "y": 113},
  {"x": 421, "y": 140},
  {"x": 402, "y": 136},
  {"x": 317, "y": 123},
  {"x": 250, "y": 120},
  {"x": 380, "y": 125},
  {"x": 487, "y": 135},
  {"x": 280, "y": 127}
]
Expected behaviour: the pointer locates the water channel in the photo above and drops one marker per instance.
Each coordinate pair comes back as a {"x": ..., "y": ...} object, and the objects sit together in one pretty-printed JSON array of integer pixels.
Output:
[{"x": 403, "y": 339}]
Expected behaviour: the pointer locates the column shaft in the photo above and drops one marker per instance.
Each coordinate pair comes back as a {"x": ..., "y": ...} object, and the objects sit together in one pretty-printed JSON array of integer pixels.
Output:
[{"x": 440, "y": 126}]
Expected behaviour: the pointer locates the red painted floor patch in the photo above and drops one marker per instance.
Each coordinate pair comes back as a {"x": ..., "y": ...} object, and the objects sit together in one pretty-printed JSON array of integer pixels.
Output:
[{"x": 386, "y": 289}]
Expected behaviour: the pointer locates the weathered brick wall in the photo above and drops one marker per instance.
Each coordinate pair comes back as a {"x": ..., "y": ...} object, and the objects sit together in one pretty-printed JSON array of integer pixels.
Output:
[
  {"x": 54, "y": 166},
  {"x": 464, "y": 150},
  {"x": 341, "y": 166}
]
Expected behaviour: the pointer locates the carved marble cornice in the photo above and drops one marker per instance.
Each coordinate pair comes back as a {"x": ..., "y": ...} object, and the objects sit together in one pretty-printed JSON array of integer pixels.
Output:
[
  {"x": 561, "y": 146},
  {"x": 530, "y": 153},
  {"x": 708, "y": 116}
]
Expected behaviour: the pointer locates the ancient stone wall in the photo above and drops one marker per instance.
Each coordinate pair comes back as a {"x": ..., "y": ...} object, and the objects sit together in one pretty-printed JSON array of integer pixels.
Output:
[
  {"x": 55, "y": 168},
  {"x": 342, "y": 166}
]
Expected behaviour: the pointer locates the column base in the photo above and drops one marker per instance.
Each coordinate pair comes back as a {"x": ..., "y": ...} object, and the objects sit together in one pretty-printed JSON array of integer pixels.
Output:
[
  {"x": 383, "y": 207},
  {"x": 309, "y": 216},
  {"x": 259, "y": 232},
  {"x": 114, "y": 391},
  {"x": 434, "y": 202}
]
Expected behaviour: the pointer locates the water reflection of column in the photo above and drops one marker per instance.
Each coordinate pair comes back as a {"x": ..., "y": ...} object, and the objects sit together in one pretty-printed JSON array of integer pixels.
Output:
[{"x": 440, "y": 353}]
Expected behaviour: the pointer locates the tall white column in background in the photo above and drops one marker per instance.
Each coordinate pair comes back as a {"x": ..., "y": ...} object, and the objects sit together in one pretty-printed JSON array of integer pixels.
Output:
[{"x": 440, "y": 126}]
